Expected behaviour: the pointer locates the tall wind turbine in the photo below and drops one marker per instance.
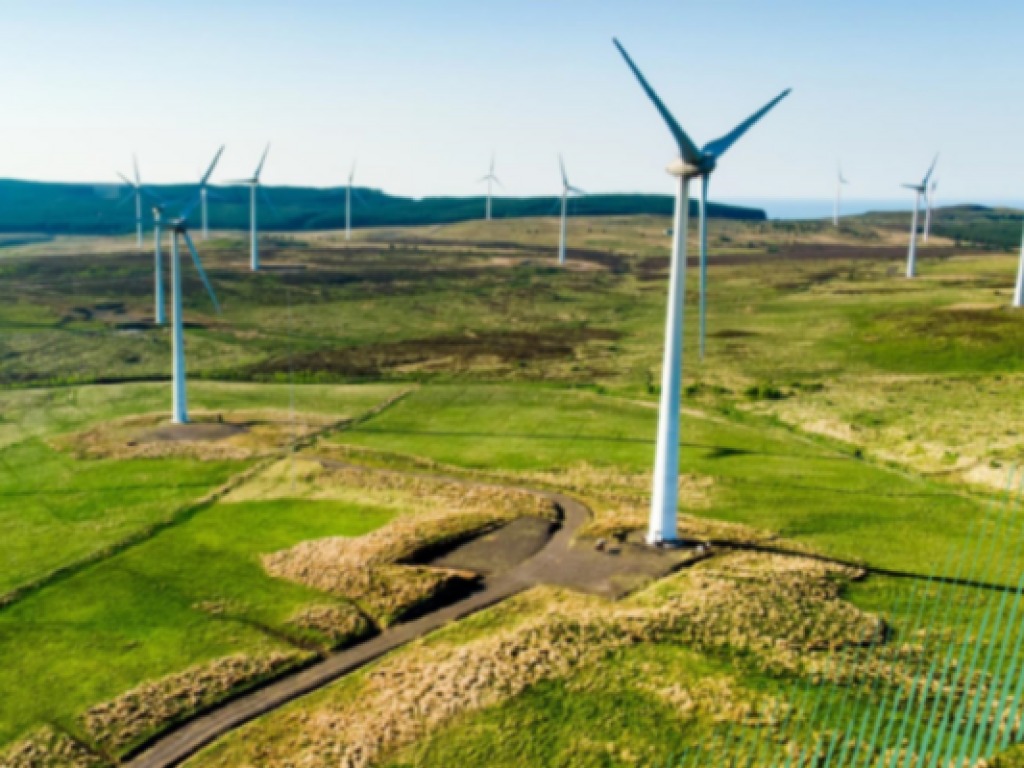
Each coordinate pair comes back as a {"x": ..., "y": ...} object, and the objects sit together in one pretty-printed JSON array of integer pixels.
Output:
[
  {"x": 928, "y": 210},
  {"x": 254, "y": 188},
  {"x": 692, "y": 163},
  {"x": 490, "y": 178},
  {"x": 567, "y": 189},
  {"x": 179, "y": 230},
  {"x": 137, "y": 186},
  {"x": 920, "y": 190},
  {"x": 348, "y": 202},
  {"x": 840, "y": 183}
]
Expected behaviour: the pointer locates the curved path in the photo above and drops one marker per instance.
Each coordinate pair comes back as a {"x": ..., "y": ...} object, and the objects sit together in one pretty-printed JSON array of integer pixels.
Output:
[{"x": 557, "y": 563}]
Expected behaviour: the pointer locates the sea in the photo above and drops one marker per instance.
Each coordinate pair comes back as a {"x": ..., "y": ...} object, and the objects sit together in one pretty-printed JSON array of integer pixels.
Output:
[{"x": 783, "y": 209}]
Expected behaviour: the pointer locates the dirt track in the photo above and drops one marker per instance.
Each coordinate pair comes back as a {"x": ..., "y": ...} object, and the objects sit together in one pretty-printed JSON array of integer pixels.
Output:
[{"x": 559, "y": 562}]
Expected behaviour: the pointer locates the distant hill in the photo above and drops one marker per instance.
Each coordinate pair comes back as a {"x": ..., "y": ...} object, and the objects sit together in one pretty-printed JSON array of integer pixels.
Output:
[
  {"x": 51, "y": 208},
  {"x": 978, "y": 225}
]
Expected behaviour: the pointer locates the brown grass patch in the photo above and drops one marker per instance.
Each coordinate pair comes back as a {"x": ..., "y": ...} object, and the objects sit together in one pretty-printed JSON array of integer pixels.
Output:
[
  {"x": 46, "y": 748},
  {"x": 453, "y": 352},
  {"x": 342, "y": 624},
  {"x": 151, "y": 706},
  {"x": 133, "y": 437}
]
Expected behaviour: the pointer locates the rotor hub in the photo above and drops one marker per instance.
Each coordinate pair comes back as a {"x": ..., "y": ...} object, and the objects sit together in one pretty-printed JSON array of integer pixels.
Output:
[{"x": 680, "y": 168}]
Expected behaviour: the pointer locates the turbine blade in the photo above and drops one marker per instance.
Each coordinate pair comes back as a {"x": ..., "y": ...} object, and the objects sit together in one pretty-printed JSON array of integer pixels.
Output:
[
  {"x": 259, "y": 169},
  {"x": 497, "y": 181},
  {"x": 190, "y": 206},
  {"x": 200, "y": 270},
  {"x": 240, "y": 181},
  {"x": 209, "y": 172},
  {"x": 930, "y": 171},
  {"x": 914, "y": 187},
  {"x": 577, "y": 191},
  {"x": 719, "y": 147},
  {"x": 565, "y": 179},
  {"x": 687, "y": 148},
  {"x": 135, "y": 163},
  {"x": 125, "y": 180},
  {"x": 352, "y": 173}
]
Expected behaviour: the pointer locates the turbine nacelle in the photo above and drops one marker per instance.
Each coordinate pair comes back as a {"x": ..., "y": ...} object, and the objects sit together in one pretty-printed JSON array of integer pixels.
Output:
[{"x": 703, "y": 167}]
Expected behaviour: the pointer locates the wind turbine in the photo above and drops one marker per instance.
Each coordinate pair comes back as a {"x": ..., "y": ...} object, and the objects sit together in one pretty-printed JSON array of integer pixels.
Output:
[
  {"x": 254, "y": 187},
  {"x": 928, "y": 210},
  {"x": 567, "y": 189},
  {"x": 920, "y": 191},
  {"x": 840, "y": 182},
  {"x": 348, "y": 202},
  {"x": 692, "y": 163},
  {"x": 1018, "y": 294},
  {"x": 179, "y": 229},
  {"x": 137, "y": 186},
  {"x": 490, "y": 178},
  {"x": 159, "y": 206}
]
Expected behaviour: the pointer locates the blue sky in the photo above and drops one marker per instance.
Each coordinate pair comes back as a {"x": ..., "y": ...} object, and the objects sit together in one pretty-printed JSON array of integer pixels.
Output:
[{"x": 422, "y": 91}]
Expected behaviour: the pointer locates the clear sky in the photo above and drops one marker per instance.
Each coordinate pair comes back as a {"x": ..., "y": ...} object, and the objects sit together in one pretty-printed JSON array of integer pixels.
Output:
[{"x": 422, "y": 91}]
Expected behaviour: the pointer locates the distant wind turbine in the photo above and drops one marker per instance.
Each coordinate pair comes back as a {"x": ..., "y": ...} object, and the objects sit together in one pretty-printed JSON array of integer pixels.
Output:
[
  {"x": 204, "y": 196},
  {"x": 920, "y": 190},
  {"x": 490, "y": 178},
  {"x": 928, "y": 211},
  {"x": 137, "y": 186},
  {"x": 348, "y": 202},
  {"x": 840, "y": 183},
  {"x": 179, "y": 229},
  {"x": 692, "y": 163},
  {"x": 159, "y": 206},
  {"x": 1018, "y": 294},
  {"x": 567, "y": 189},
  {"x": 254, "y": 188}
]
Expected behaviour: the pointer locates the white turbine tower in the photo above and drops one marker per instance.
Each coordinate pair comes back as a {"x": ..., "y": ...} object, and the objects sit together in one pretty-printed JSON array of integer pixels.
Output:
[
  {"x": 137, "y": 186},
  {"x": 179, "y": 229},
  {"x": 928, "y": 211},
  {"x": 1018, "y": 293},
  {"x": 490, "y": 178},
  {"x": 692, "y": 163},
  {"x": 254, "y": 188},
  {"x": 920, "y": 190},
  {"x": 840, "y": 182},
  {"x": 348, "y": 202},
  {"x": 567, "y": 189}
]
